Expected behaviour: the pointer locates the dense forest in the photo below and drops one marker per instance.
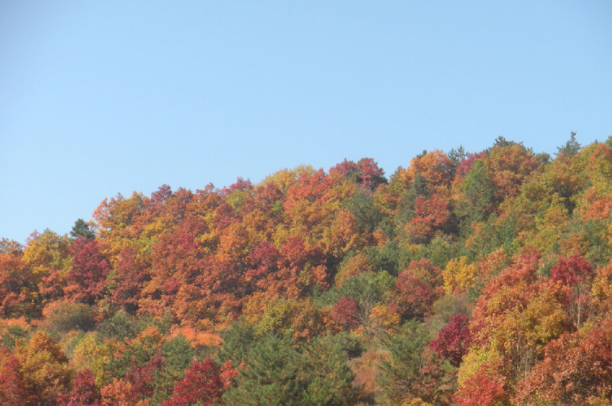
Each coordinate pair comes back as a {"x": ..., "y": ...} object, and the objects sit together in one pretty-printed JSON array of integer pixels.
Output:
[{"x": 462, "y": 279}]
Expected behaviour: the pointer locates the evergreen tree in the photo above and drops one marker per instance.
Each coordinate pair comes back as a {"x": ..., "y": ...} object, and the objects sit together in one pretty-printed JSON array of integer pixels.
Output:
[
  {"x": 270, "y": 377},
  {"x": 571, "y": 147},
  {"x": 479, "y": 193},
  {"x": 401, "y": 373},
  {"x": 81, "y": 229}
]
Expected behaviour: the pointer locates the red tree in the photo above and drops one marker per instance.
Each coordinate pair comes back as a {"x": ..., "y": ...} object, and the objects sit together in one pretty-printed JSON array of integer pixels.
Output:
[
  {"x": 202, "y": 383},
  {"x": 370, "y": 174},
  {"x": 143, "y": 377},
  {"x": 345, "y": 313},
  {"x": 485, "y": 388},
  {"x": 414, "y": 295},
  {"x": 90, "y": 267},
  {"x": 454, "y": 340},
  {"x": 84, "y": 391},
  {"x": 575, "y": 277},
  {"x": 12, "y": 388},
  {"x": 130, "y": 277}
]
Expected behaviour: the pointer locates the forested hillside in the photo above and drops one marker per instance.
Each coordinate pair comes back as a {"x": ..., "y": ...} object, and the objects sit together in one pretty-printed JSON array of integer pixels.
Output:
[{"x": 461, "y": 279}]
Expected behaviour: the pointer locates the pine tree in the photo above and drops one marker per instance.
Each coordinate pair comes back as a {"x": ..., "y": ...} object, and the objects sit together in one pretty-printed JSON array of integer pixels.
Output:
[{"x": 571, "y": 147}]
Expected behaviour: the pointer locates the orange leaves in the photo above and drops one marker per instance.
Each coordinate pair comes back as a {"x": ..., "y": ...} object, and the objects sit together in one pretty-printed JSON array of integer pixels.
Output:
[
  {"x": 430, "y": 215},
  {"x": 344, "y": 235},
  {"x": 198, "y": 338},
  {"x": 434, "y": 167},
  {"x": 18, "y": 294},
  {"x": 596, "y": 204},
  {"x": 508, "y": 168},
  {"x": 352, "y": 267},
  {"x": 573, "y": 369}
]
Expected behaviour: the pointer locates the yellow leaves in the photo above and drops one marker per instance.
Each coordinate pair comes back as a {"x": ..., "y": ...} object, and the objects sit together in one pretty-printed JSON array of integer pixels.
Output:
[
  {"x": 233, "y": 243},
  {"x": 49, "y": 249},
  {"x": 277, "y": 317},
  {"x": 599, "y": 162},
  {"x": 252, "y": 310},
  {"x": 155, "y": 229},
  {"x": 473, "y": 360},
  {"x": 287, "y": 177},
  {"x": 343, "y": 235},
  {"x": 458, "y": 274},
  {"x": 45, "y": 368},
  {"x": 543, "y": 319},
  {"x": 301, "y": 318},
  {"x": 88, "y": 354},
  {"x": 383, "y": 318},
  {"x": 415, "y": 402},
  {"x": 550, "y": 227},
  {"x": 258, "y": 227}
]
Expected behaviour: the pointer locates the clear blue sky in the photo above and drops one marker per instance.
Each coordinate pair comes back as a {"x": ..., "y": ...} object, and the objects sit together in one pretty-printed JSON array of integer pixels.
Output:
[{"x": 106, "y": 97}]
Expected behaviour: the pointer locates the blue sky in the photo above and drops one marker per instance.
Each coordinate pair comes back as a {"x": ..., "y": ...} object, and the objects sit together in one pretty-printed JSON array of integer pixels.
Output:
[{"x": 106, "y": 97}]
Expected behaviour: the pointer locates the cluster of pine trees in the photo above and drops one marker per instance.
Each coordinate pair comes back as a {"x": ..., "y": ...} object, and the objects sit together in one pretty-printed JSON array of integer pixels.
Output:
[{"x": 463, "y": 279}]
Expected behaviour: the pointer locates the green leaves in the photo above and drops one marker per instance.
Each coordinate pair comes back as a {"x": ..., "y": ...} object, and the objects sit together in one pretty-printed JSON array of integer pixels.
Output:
[{"x": 279, "y": 372}]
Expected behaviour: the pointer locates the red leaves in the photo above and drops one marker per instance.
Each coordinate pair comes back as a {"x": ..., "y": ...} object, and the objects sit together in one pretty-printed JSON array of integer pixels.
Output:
[
  {"x": 430, "y": 214},
  {"x": 142, "y": 378},
  {"x": 345, "y": 313},
  {"x": 263, "y": 259},
  {"x": 205, "y": 382},
  {"x": 87, "y": 277},
  {"x": 366, "y": 172},
  {"x": 414, "y": 296},
  {"x": 572, "y": 272},
  {"x": 84, "y": 391},
  {"x": 370, "y": 175},
  {"x": 454, "y": 340},
  {"x": 575, "y": 277},
  {"x": 416, "y": 289},
  {"x": 485, "y": 388},
  {"x": 131, "y": 274},
  {"x": 464, "y": 167},
  {"x": 12, "y": 387}
]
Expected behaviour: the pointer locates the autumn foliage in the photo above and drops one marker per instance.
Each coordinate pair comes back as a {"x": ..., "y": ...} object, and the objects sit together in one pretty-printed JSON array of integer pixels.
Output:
[{"x": 464, "y": 278}]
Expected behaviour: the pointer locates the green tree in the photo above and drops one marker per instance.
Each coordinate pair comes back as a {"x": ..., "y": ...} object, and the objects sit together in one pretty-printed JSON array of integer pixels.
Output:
[
  {"x": 366, "y": 214},
  {"x": 81, "y": 229},
  {"x": 478, "y": 192},
  {"x": 570, "y": 148},
  {"x": 401, "y": 372},
  {"x": 324, "y": 372},
  {"x": 279, "y": 372},
  {"x": 270, "y": 377}
]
